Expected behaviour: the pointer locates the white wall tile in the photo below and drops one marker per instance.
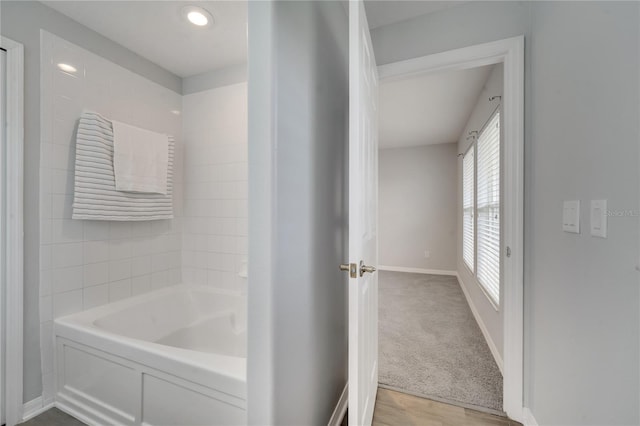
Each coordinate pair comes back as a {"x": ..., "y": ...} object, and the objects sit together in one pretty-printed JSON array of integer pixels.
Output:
[
  {"x": 119, "y": 269},
  {"x": 45, "y": 180},
  {"x": 65, "y": 279},
  {"x": 61, "y": 206},
  {"x": 119, "y": 290},
  {"x": 95, "y": 273},
  {"x": 62, "y": 157},
  {"x": 45, "y": 282},
  {"x": 45, "y": 257},
  {"x": 61, "y": 180},
  {"x": 95, "y": 296},
  {"x": 46, "y": 206},
  {"x": 159, "y": 280},
  {"x": 66, "y": 230},
  {"x": 46, "y": 231},
  {"x": 46, "y": 308},
  {"x": 141, "y": 265},
  {"x": 120, "y": 249},
  {"x": 95, "y": 251},
  {"x": 96, "y": 230},
  {"x": 68, "y": 254},
  {"x": 216, "y": 173},
  {"x": 140, "y": 284},
  {"x": 119, "y": 230},
  {"x": 89, "y": 263},
  {"x": 67, "y": 303}
]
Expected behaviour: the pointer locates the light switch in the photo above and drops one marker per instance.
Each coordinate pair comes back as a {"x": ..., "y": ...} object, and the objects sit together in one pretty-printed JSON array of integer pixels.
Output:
[
  {"x": 571, "y": 216},
  {"x": 599, "y": 218}
]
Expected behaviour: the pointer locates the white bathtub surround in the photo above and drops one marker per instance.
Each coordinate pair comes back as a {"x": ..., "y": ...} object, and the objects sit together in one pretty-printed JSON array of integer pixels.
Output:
[
  {"x": 172, "y": 356},
  {"x": 90, "y": 263},
  {"x": 215, "y": 205}
]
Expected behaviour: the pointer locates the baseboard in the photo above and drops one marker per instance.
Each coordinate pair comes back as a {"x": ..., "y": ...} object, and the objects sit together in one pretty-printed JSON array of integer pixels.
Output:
[
  {"x": 485, "y": 332},
  {"x": 341, "y": 408},
  {"x": 417, "y": 270},
  {"x": 529, "y": 420},
  {"x": 33, "y": 408}
]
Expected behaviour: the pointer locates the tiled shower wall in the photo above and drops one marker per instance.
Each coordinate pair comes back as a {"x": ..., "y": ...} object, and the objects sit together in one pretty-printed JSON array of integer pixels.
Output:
[
  {"x": 88, "y": 263},
  {"x": 215, "y": 198}
]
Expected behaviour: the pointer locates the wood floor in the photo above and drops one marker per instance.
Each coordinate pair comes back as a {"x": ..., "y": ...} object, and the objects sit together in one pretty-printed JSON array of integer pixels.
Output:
[{"x": 400, "y": 409}]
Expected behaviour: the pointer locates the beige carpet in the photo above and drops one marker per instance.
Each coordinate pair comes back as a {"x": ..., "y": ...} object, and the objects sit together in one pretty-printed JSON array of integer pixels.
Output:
[{"x": 431, "y": 346}]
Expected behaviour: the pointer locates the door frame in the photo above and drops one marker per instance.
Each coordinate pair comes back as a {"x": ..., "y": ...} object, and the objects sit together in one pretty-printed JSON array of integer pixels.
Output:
[
  {"x": 510, "y": 52},
  {"x": 11, "y": 309}
]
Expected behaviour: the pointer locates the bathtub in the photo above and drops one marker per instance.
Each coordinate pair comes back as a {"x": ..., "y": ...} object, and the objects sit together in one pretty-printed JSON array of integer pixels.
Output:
[{"x": 175, "y": 356}]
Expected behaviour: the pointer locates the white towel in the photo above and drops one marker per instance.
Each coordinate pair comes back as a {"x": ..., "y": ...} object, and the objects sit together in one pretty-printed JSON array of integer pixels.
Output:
[
  {"x": 95, "y": 195},
  {"x": 140, "y": 159}
]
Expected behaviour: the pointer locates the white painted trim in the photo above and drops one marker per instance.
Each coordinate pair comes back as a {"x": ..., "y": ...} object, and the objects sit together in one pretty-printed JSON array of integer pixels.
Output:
[
  {"x": 529, "y": 420},
  {"x": 34, "y": 408},
  {"x": 14, "y": 235},
  {"x": 417, "y": 270},
  {"x": 511, "y": 53},
  {"x": 458, "y": 59},
  {"x": 341, "y": 407},
  {"x": 485, "y": 331},
  {"x": 76, "y": 414}
]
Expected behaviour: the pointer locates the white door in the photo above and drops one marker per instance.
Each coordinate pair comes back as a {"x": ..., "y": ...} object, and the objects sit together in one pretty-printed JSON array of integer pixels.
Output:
[
  {"x": 363, "y": 220},
  {"x": 3, "y": 280}
]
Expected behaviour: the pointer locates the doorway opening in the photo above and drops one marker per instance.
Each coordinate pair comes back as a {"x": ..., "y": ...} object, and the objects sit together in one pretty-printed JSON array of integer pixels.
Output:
[
  {"x": 450, "y": 220},
  {"x": 430, "y": 342}
]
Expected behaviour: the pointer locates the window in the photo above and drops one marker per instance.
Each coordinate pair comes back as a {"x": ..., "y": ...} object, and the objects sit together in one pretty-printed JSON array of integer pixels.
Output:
[
  {"x": 468, "y": 187},
  {"x": 481, "y": 208}
]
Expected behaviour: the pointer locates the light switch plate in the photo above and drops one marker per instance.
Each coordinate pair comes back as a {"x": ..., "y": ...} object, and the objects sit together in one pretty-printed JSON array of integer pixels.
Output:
[
  {"x": 571, "y": 216},
  {"x": 599, "y": 218}
]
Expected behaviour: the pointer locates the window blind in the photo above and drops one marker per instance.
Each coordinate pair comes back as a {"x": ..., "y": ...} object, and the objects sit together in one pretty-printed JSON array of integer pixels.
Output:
[
  {"x": 488, "y": 208},
  {"x": 468, "y": 236}
]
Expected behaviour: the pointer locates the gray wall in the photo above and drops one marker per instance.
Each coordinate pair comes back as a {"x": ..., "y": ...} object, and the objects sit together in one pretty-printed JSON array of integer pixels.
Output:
[
  {"x": 417, "y": 206},
  {"x": 214, "y": 79},
  {"x": 482, "y": 111},
  {"x": 298, "y": 96},
  {"x": 21, "y": 21},
  {"x": 581, "y": 293}
]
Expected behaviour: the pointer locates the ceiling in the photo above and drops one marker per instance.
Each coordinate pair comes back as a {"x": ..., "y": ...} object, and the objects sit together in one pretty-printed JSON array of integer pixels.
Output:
[
  {"x": 157, "y": 31},
  {"x": 385, "y": 12},
  {"x": 428, "y": 109}
]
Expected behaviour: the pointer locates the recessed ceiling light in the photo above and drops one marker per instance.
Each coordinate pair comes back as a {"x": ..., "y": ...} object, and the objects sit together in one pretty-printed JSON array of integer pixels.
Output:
[
  {"x": 197, "y": 16},
  {"x": 175, "y": 111},
  {"x": 67, "y": 67}
]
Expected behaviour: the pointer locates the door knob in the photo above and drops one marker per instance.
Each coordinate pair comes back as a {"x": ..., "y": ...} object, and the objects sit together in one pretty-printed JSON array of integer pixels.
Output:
[{"x": 364, "y": 268}]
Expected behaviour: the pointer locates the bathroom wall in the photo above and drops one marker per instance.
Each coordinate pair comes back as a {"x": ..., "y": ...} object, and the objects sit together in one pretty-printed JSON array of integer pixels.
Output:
[
  {"x": 21, "y": 21},
  {"x": 215, "y": 197},
  {"x": 84, "y": 264}
]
